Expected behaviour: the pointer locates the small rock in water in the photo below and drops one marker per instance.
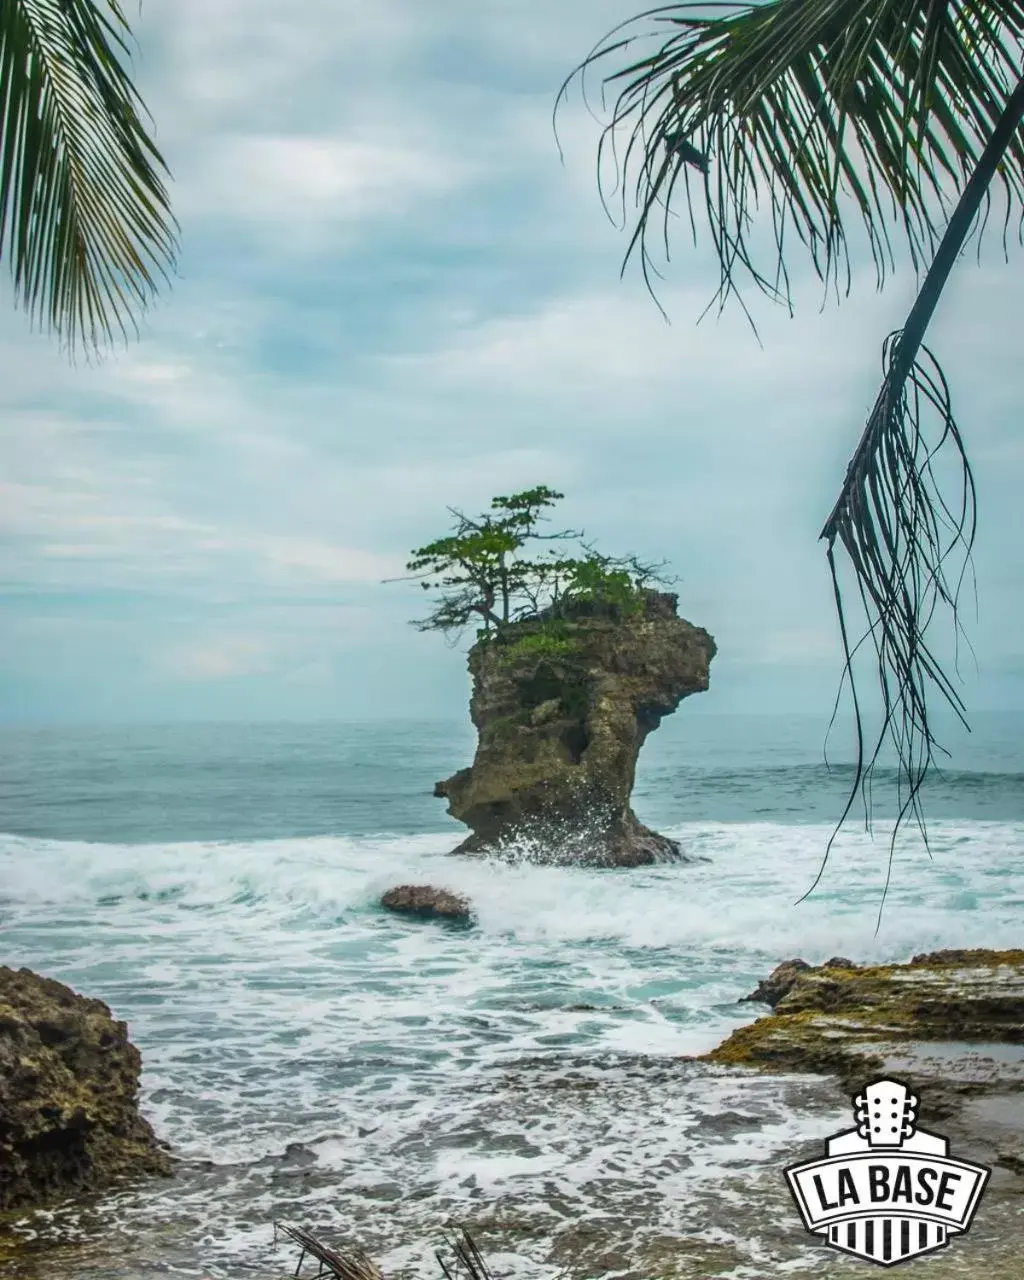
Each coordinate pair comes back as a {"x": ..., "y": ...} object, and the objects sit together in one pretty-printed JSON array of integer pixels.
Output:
[
  {"x": 779, "y": 982},
  {"x": 298, "y": 1153},
  {"x": 426, "y": 901}
]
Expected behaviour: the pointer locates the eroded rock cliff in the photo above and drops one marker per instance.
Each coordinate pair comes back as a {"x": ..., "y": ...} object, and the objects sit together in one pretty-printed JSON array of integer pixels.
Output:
[
  {"x": 69, "y": 1079},
  {"x": 562, "y": 710}
]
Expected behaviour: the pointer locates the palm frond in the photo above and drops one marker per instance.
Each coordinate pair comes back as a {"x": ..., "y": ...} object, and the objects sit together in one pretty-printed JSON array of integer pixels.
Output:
[
  {"x": 85, "y": 218},
  {"x": 353, "y": 1265},
  {"x": 820, "y": 110},
  {"x": 827, "y": 110},
  {"x": 892, "y": 519},
  {"x": 898, "y": 531}
]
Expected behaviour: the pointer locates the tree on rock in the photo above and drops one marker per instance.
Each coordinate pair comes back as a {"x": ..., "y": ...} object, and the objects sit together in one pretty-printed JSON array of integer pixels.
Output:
[
  {"x": 843, "y": 122},
  {"x": 483, "y": 569}
]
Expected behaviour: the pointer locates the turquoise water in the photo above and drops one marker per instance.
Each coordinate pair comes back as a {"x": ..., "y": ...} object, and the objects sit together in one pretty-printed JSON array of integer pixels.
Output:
[
  {"x": 310, "y": 1057},
  {"x": 140, "y": 784}
]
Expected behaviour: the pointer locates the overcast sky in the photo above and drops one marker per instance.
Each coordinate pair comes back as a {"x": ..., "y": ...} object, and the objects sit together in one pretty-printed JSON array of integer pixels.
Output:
[{"x": 393, "y": 297}]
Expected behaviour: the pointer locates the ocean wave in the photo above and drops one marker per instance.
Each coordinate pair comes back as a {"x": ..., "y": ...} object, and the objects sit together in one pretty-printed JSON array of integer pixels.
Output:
[
  {"x": 511, "y": 1067},
  {"x": 756, "y": 871}
]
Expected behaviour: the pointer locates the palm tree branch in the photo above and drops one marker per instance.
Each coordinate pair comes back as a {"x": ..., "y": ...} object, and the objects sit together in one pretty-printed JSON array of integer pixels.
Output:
[
  {"x": 84, "y": 214},
  {"x": 905, "y": 75},
  {"x": 887, "y": 102},
  {"x": 888, "y": 515}
]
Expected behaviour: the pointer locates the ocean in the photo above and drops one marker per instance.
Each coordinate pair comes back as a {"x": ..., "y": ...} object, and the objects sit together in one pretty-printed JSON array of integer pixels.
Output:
[{"x": 315, "y": 1060}]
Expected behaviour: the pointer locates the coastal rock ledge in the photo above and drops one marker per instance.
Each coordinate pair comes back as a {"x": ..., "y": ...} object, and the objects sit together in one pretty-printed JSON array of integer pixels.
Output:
[
  {"x": 69, "y": 1078},
  {"x": 950, "y": 1023},
  {"x": 561, "y": 711}
]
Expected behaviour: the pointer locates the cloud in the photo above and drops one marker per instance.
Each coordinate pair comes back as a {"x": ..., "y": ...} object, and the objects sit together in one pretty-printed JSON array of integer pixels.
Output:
[
  {"x": 298, "y": 190},
  {"x": 327, "y": 563},
  {"x": 590, "y": 347},
  {"x": 393, "y": 297},
  {"x": 219, "y": 659}
]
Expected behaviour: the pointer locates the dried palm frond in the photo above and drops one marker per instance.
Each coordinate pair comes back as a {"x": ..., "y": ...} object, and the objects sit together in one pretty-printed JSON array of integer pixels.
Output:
[
  {"x": 890, "y": 518},
  {"x": 353, "y": 1266},
  {"x": 468, "y": 1263}
]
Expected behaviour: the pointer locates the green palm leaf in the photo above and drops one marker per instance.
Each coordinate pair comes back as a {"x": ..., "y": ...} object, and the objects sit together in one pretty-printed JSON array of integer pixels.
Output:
[
  {"x": 829, "y": 112},
  {"x": 822, "y": 111},
  {"x": 85, "y": 220}
]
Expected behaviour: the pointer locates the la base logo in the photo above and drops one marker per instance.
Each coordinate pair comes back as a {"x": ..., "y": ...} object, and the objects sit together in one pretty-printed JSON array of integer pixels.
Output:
[{"x": 887, "y": 1191}]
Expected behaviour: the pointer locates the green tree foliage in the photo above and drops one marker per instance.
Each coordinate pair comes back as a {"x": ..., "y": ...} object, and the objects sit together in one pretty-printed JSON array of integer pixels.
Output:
[
  {"x": 835, "y": 116},
  {"x": 85, "y": 221},
  {"x": 494, "y": 569}
]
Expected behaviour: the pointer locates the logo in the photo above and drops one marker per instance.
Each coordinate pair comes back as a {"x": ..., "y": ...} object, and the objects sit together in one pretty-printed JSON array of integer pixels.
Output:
[{"x": 887, "y": 1191}]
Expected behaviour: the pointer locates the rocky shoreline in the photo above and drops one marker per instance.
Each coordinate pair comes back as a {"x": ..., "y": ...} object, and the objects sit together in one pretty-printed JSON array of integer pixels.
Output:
[
  {"x": 949, "y": 1023},
  {"x": 69, "y": 1082}
]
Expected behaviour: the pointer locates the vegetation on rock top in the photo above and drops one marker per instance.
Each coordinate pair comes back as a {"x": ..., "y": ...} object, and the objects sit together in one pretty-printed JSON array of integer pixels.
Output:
[{"x": 491, "y": 569}]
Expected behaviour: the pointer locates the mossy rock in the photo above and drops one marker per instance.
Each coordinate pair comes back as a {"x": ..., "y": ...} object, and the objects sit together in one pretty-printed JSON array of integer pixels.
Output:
[
  {"x": 562, "y": 708},
  {"x": 69, "y": 1081},
  {"x": 936, "y": 1017}
]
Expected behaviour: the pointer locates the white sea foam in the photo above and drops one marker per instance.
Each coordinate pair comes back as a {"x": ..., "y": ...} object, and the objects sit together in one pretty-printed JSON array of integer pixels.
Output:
[{"x": 524, "y": 1064}]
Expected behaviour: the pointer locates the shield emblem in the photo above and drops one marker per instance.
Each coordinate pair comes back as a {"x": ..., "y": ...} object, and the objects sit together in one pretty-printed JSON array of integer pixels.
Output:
[
  {"x": 887, "y": 1240},
  {"x": 887, "y": 1191}
]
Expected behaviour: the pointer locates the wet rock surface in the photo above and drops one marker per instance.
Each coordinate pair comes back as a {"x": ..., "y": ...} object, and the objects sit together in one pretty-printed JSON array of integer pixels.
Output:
[
  {"x": 69, "y": 1079},
  {"x": 426, "y": 902},
  {"x": 561, "y": 713},
  {"x": 950, "y": 1023},
  {"x": 778, "y": 984}
]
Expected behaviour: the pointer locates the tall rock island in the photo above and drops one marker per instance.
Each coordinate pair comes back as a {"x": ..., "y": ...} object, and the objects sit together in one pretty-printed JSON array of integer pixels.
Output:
[{"x": 562, "y": 708}]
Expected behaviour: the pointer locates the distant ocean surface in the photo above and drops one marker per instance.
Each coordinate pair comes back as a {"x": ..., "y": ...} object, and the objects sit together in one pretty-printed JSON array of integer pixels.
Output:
[{"x": 313, "y": 1059}]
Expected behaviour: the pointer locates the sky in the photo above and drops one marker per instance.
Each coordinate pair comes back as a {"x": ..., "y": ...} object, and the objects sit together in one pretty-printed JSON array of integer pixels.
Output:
[{"x": 395, "y": 296}]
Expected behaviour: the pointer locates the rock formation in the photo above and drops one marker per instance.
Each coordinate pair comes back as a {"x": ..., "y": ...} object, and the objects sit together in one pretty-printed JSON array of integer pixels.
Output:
[
  {"x": 562, "y": 710},
  {"x": 951, "y": 1023},
  {"x": 784, "y": 977},
  {"x": 426, "y": 901},
  {"x": 69, "y": 1080},
  {"x": 779, "y": 983}
]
